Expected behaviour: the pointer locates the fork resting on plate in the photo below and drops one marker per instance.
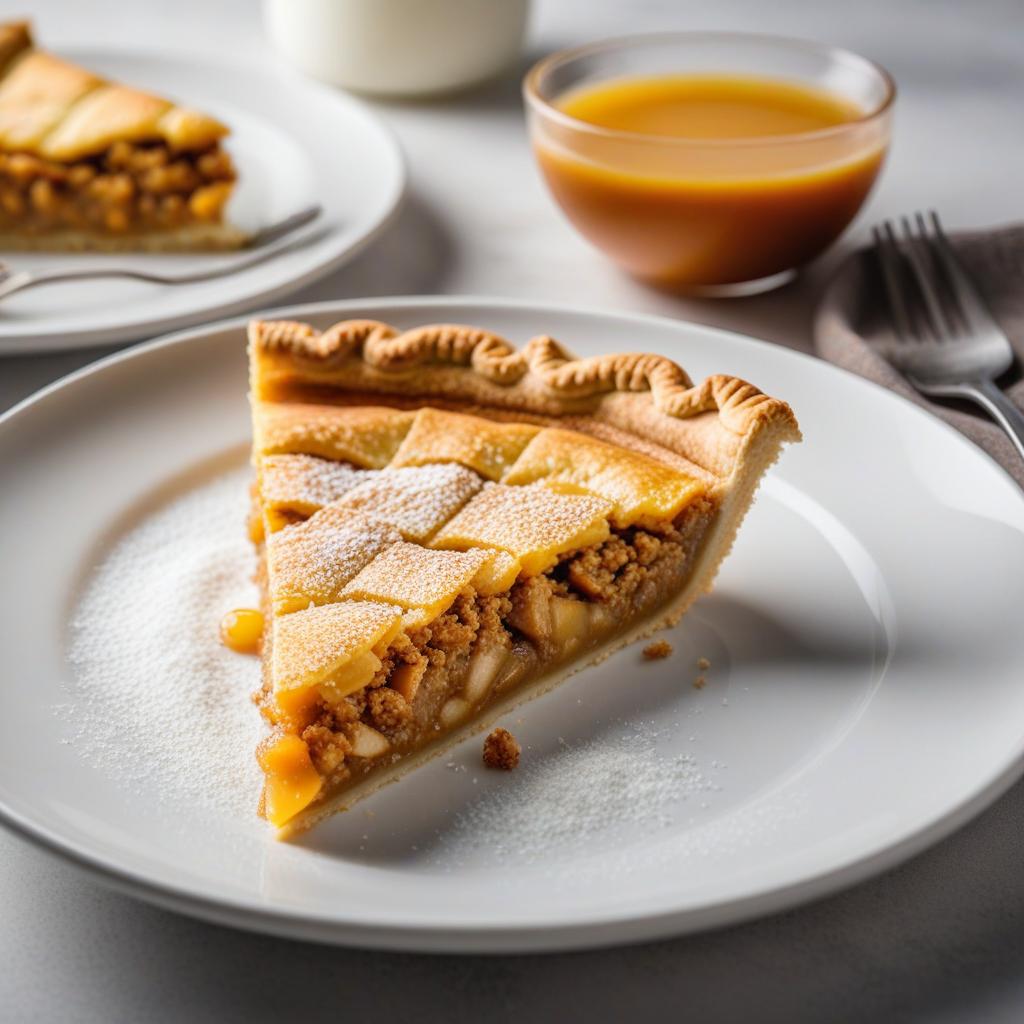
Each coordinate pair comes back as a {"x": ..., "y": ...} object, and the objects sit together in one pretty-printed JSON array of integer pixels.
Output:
[{"x": 19, "y": 281}]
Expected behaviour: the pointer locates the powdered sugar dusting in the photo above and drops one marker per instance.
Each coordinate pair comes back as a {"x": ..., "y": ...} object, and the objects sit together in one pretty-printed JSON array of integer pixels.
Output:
[
  {"x": 415, "y": 577},
  {"x": 560, "y": 802},
  {"x": 306, "y": 482},
  {"x": 526, "y": 520},
  {"x": 415, "y": 499},
  {"x": 312, "y": 561},
  {"x": 312, "y": 641},
  {"x": 155, "y": 701}
]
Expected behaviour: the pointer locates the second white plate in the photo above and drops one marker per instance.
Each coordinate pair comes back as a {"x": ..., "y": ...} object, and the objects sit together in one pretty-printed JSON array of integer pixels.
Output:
[
  {"x": 863, "y": 700},
  {"x": 294, "y": 142}
]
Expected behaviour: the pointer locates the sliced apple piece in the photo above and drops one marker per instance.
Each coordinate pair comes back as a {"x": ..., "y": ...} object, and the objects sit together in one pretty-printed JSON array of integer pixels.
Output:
[
  {"x": 406, "y": 679},
  {"x": 352, "y": 676},
  {"x": 570, "y": 622},
  {"x": 483, "y": 669},
  {"x": 531, "y": 613},
  {"x": 520, "y": 659},
  {"x": 453, "y": 711},
  {"x": 366, "y": 741}
]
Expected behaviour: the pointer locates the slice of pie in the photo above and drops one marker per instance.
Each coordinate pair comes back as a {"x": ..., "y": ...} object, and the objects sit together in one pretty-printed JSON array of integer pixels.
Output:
[
  {"x": 91, "y": 164},
  {"x": 448, "y": 527}
]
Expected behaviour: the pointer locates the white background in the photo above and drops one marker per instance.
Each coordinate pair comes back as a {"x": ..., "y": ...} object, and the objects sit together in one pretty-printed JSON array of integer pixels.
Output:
[{"x": 941, "y": 939}]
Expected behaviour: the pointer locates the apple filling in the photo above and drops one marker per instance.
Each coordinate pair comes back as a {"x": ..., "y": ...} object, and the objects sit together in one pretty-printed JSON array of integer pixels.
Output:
[
  {"x": 419, "y": 681},
  {"x": 130, "y": 188},
  {"x": 422, "y": 568}
]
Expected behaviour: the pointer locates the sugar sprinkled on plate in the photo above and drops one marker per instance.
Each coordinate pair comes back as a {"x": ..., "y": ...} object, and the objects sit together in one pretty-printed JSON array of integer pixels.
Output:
[
  {"x": 557, "y": 803},
  {"x": 154, "y": 700}
]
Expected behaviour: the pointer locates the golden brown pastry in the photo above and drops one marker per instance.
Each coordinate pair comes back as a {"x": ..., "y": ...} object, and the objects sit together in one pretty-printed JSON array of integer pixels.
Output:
[
  {"x": 91, "y": 164},
  {"x": 447, "y": 527}
]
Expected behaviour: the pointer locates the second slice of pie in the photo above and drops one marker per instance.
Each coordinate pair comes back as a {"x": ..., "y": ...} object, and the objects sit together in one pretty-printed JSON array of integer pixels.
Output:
[
  {"x": 86, "y": 163},
  {"x": 448, "y": 527}
]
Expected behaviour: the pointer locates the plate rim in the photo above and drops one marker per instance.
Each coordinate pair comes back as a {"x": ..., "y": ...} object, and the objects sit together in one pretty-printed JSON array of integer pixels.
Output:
[
  {"x": 48, "y": 340},
  {"x": 610, "y": 927}
]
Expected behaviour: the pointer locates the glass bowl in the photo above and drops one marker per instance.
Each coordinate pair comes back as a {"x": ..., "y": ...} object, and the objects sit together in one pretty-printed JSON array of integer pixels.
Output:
[{"x": 718, "y": 216}]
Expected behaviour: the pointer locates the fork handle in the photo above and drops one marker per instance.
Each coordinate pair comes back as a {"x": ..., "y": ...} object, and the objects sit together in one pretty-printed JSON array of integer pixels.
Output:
[
  {"x": 984, "y": 392},
  {"x": 23, "y": 280}
]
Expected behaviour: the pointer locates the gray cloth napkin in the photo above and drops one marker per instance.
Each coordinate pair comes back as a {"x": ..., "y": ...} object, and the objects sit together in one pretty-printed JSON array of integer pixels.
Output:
[{"x": 853, "y": 314}]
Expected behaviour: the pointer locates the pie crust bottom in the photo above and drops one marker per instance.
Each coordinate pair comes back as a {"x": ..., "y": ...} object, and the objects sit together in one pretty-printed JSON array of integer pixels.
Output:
[{"x": 189, "y": 238}]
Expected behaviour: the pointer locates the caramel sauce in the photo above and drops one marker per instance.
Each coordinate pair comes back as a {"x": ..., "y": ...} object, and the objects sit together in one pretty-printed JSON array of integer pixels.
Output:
[{"x": 765, "y": 186}]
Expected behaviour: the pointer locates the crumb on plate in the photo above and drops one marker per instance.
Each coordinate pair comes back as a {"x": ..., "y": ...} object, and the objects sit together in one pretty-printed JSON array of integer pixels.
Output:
[
  {"x": 659, "y": 649},
  {"x": 703, "y": 664},
  {"x": 501, "y": 750},
  {"x": 698, "y": 683}
]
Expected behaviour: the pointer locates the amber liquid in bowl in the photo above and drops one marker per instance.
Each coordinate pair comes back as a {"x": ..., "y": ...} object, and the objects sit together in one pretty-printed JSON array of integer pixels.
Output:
[{"x": 724, "y": 211}]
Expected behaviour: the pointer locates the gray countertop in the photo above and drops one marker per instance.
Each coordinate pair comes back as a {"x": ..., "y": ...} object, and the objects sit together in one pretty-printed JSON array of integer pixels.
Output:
[{"x": 940, "y": 939}]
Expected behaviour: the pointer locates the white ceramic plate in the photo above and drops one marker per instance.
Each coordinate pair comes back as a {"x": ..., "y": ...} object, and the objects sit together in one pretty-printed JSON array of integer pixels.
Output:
[
  {"x": 295, "y": 143},
  {"x": 864, "y": 697}
]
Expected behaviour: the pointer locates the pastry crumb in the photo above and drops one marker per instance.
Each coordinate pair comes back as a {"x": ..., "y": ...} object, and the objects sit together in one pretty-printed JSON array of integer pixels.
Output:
[
  {"x": 501, "y": 750},
  {"x": 703, "y": 664},
  {"x": 699, "y": 682},
  {"x": 659, "y": 649}
]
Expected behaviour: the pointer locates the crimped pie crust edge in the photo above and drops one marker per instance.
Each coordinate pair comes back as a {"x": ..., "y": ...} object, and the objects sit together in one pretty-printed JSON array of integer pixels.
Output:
[{"x": 710, "y": 424}]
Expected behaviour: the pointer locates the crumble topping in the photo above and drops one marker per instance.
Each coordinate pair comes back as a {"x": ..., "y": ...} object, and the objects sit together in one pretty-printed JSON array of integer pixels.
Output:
[
  {"x": 387, "y": 710},
  {"x": 501, "y": 750},
  {"x": 616, "y": 569},
  {"x": 430, "y": 667},
  {"x": 328, "y": 748},
  {"x": 403, "y": 651},
  {"x": 452, "y": 633},
  {"x": 658, "y": 650}
]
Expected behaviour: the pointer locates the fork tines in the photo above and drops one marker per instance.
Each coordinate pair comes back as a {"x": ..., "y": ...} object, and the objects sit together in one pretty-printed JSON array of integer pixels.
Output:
[{"x": 930, "y": 295}]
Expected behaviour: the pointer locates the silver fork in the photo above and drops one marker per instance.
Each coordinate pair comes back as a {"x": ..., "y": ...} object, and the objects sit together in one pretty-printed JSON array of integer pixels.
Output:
[
  {"x": 262, "y": 240},
  {"x": 948, "y": 344}
]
